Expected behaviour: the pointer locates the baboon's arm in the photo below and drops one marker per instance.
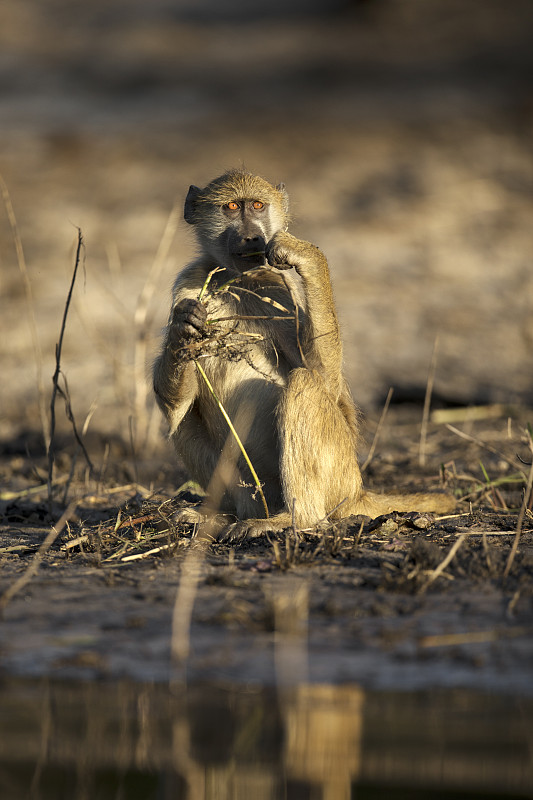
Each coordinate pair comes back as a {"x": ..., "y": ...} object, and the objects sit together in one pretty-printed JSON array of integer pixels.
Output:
[
  {"x": 175, "y": 386},
  {"x": 320, "y": 340},
  {"x": 175, "y": 378}
]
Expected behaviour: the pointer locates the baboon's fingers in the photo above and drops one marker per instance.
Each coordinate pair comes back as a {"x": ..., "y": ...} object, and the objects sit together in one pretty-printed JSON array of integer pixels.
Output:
[
  {"x": 278, "y": 251},
  {"x": 192, "y": 311},
  {"x": 188, "y": 319},
  {"x": 239, "y": 532}
]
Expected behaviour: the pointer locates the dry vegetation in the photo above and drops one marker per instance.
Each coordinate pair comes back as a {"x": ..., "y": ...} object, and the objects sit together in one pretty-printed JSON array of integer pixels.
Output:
[
  {"x": 421, "y": 182},
  {"x": 68, "y": 508},
  {"x": 72, "y": 501}
]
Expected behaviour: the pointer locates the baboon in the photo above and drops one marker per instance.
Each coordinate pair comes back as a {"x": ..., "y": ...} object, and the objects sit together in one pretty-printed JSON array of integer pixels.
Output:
[{"x": 256, "y": 312}]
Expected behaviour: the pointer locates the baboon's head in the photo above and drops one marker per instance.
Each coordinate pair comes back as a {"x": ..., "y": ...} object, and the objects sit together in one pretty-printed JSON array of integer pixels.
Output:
[{"x": 235, "y": 216}]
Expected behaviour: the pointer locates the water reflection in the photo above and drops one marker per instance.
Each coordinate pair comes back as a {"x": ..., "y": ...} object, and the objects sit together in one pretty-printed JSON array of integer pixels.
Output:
[{"x": 140, "y": 741}]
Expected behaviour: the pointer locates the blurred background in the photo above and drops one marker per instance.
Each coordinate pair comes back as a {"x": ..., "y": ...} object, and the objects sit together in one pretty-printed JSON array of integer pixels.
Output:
[{"x": 402, "y": 129}]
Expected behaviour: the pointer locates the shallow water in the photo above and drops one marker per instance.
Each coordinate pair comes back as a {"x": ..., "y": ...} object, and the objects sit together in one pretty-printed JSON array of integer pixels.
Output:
[{"x": 142, "y": 740}]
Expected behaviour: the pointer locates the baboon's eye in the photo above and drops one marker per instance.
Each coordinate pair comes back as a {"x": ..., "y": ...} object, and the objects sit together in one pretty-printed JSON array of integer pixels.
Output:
[
  {"x": 258, "y": 205},
  {"x": 232, "y": 205}
]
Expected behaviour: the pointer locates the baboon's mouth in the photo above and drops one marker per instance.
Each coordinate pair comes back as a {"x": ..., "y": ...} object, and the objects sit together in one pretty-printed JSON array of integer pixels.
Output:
[{"x": 253, "y": 254}]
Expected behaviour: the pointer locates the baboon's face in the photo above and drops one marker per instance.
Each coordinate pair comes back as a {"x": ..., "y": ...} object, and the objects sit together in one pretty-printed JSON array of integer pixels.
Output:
[
  {"x": 235, "y": 217},
  {"x": 248, "y": 228}
]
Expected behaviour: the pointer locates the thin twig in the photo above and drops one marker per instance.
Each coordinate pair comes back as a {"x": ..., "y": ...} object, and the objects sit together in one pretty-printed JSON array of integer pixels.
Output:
[
  {"x": 27, "y": 575},
  {"x": 65, "y": 394},
  {"x": 524, "y": 506},
  {"x": 75, "y": 542},
  {"x": 147, "y": 553},
  {"x": 427, "y": 404},
  {"x": 20, "y": 495},
  {"x": 444, "y": 563},
  {"x": 378, "y": 430},
  {"x": 57, "y": 372},
  {"x": 359, "y": 534}
]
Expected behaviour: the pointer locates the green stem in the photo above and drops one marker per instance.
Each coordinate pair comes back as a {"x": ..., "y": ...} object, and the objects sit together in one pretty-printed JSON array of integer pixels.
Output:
[
  {"x": 207, "y": 281},
  {"x": 236, "y": 435}
]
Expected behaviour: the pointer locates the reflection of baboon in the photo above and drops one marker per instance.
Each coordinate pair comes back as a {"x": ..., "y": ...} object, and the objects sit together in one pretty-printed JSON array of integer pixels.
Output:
[{"x": 300, "y": 423}]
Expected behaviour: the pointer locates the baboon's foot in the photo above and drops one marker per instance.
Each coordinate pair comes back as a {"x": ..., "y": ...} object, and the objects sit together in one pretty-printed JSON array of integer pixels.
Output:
[
  {"x": 188, "y": 515},
  {"x": 245, "y": 529}
]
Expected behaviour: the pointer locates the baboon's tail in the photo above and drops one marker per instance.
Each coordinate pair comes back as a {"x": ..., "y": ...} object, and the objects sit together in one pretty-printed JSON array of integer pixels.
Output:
[{"x": 373, "y": 505}]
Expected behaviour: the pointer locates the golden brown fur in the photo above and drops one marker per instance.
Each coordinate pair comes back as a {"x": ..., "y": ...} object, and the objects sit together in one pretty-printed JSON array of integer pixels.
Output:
[{"x": 284, "y": 388}]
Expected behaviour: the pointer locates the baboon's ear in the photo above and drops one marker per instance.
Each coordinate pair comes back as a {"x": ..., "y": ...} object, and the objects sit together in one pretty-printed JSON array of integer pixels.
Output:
[
  {"x": 190, "y": 205},
  {"x": 285, "y": 197}
]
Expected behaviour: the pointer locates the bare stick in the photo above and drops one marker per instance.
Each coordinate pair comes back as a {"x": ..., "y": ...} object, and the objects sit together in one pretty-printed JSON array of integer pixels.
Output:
[
  {"x": 147, "y": 553},
  {"x": 427, "y": 404},
  {"x": 445, "y": 561},
  {"x": 27, "y": 575},
  {"x": 57, "y": 372},
  {"x": 521, "y": 515},
  {"x": 378, "y": 430}
]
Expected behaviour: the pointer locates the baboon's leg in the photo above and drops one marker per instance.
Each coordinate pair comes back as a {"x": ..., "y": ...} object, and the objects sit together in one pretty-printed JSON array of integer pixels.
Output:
[{"x": 318, "y": 462}]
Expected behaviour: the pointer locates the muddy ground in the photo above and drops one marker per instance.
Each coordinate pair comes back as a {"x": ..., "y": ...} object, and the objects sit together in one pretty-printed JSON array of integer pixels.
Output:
[
  {"x": 360, "y": 601},
  {"x": 403, "y": 133}
]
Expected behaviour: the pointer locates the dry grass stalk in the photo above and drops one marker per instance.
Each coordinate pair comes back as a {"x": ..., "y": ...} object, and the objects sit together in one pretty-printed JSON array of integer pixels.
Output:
[
  {"x": 237, "y": 438},
  {"x": 28, "y": 574},
  {"x": 427, "y": 405},
  {"x": 480, "y": 443},
  {"x": 525, "y": 505},
  {"x": 147, "y": 553},
  {"x": 36, "y": 344},
  {"x": 373, "y": 446},
  {"x": 484, "y": 490},
  {"x": 56, "y": 389},
  {"x": 209, "y": 385},
  {"x": 32, "y": 490},
  {"x": 444, "y": 563}
]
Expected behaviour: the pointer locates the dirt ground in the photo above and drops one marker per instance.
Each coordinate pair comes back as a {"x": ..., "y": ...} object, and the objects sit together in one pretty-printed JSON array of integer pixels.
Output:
[
  {"x": 360, "y": 601},
  {"x": 403, "y": 133}
]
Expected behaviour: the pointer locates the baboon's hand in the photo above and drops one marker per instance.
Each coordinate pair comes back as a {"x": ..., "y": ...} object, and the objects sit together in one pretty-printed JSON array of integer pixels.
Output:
[
  {"x": 188, "y": 321},
  {"x": 285, "y": 251}
]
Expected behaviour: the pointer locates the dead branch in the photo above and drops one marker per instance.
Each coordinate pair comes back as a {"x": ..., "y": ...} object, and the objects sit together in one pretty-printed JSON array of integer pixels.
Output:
[{"x": 55, "y": 380}]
